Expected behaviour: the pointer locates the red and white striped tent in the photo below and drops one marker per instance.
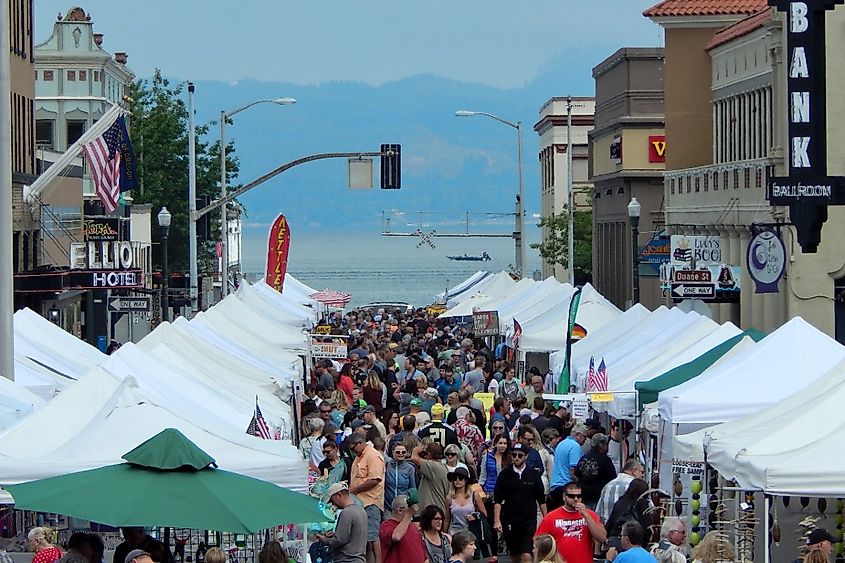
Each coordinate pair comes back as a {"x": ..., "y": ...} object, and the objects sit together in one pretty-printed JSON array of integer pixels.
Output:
[{"x": 332, "y": 298}]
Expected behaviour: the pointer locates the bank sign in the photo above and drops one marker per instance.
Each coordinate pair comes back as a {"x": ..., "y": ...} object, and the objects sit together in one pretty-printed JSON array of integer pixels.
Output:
[{"x": 808, "y": 190}]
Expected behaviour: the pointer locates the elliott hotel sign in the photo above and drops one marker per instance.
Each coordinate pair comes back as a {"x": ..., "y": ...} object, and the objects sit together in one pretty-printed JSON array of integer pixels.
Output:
[{"x": 808, "y": 189}]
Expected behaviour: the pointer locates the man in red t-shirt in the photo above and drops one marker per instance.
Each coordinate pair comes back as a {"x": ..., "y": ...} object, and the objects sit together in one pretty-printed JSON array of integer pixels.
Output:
[
  {"x": 574, "y": 527},
  {"x": 401, "y": 541}
]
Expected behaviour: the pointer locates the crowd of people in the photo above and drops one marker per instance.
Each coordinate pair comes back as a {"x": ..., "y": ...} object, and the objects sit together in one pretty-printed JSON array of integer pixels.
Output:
[{"x": 399, "y": 440}]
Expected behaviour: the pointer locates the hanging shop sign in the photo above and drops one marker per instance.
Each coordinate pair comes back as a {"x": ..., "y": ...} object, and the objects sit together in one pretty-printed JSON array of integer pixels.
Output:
[
  {"x": 101, "y": 228},
  {"x": 691, "y": 251},
  {"x": 330, "y": 348},
  {"x": 485, "y": 323},
  {"x": 808, "y": 190},
  {"x": 657, "y": 148},
  {"x": 766, "y": 260}
]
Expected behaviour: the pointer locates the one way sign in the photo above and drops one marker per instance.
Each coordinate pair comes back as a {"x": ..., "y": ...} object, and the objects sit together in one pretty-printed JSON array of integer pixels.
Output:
[
  {"x": 693, "y": 291},
  {"x": 129, "y": 304}
]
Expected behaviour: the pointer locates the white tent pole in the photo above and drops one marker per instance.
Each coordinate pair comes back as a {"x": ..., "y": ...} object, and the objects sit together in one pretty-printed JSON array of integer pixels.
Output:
[{"x": 38, "y": 187}]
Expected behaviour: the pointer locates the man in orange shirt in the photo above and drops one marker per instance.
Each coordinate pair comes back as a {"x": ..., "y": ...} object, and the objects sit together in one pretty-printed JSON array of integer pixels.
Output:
[{"x": 367, "y": 483}]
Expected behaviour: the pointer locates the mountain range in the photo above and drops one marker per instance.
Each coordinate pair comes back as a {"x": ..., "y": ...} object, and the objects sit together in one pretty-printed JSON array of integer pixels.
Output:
[{"x": 450, "y": 165}]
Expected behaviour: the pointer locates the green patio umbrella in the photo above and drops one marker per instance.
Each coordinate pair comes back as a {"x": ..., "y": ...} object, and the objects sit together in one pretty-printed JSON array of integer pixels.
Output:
[{"x": 168, "y": 481}]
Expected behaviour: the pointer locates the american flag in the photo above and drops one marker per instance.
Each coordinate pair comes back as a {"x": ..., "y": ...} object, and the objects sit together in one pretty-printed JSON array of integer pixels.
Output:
[
  {"x": 601, "y": 377},
  {"x": 517, "y": 332},
  {"x": 591, "y": 375},
  {"x": 103, "y": 156},
  {"x": 258, "y": 426}
]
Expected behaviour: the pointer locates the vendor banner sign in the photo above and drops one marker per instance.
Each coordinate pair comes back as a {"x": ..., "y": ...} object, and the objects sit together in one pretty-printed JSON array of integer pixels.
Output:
[{"x": 278, "y": 246}]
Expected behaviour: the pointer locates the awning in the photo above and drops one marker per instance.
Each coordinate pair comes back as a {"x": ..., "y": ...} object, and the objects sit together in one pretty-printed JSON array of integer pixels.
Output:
[{"x": 649, "y": 390}]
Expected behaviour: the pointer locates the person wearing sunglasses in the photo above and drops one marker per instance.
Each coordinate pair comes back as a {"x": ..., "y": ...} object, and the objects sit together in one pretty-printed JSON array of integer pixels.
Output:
[
  {"x": 518, "y": 492},
  {"x": 574, "y": 527}
]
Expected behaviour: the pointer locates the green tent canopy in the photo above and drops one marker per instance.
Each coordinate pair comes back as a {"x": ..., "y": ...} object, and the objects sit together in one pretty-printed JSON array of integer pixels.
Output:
[
  {"x": 649, "y": 390},
  {"x": 168, "y": 481}
]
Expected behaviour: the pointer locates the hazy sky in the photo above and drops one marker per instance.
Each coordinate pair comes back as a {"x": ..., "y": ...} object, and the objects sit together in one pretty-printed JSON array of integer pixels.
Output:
[{"x": 503, "y": 43}]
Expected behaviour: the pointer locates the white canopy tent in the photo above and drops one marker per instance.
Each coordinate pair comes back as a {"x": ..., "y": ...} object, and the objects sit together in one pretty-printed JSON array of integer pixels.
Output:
[
  {"x": 597, "y": 343},
  {"x": 453, "y": 295},
  {"x": 293, "y": 301},
  {"x": 99, "y": 418},
  {"x": 545, "y": 325},
  {"x": 267, "y": 357},
  {"x": 231, "y": 316},
  {"x": 16, "y": 402},
  {"x": 781, "y": 364},
  {"x": 270, "y": 308},
  {"x": 659, "y": 354},
  {"x": 48, "y": 356},
  {"x": 218, "y": 361},
  {"x": 542, "y": 292},
  {"x": 786, "y": 448},
  {"x": 500, "y": 286}
]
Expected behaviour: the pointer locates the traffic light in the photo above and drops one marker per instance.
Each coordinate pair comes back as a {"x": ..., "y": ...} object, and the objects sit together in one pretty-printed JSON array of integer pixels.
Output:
[
  {"x": 203, "y": 223},
  {"x": 391, "y": 167}
]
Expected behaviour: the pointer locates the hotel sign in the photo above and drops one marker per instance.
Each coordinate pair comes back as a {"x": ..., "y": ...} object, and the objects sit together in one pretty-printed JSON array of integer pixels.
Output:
[{"x": 808, "y": 190}]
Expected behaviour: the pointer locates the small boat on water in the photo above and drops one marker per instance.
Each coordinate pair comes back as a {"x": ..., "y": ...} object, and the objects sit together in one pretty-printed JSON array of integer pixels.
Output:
[{"x": 467, "y": 258}]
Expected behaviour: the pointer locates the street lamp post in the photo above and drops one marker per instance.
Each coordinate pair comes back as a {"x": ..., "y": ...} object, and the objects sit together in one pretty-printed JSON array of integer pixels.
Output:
[
  {"x": 570, "y": 196},
  {"x": 634, "y": 209},
  {"x": 520, "y": 196},
  {"x": 224, "y": 220},
  {"x": 164, "y": 222}
]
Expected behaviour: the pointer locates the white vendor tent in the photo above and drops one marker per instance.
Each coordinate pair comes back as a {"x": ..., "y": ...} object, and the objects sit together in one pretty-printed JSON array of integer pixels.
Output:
[
  {"x": 454, "y": 294},
  {"x": 292, "y": 300},
  {"x": 542, "y": 292},
  {"x": 544, "y": 325},
  {"x": 787, "y": 448},
  {"x": 99, "y": 418},
  {"x": 204, "y": 353},
  {"x": 270, "y": 308},
  {"x": 781, "y": 364},
  {"x": 499, "y": 286},
  {"x": 48, "y": 356},
  {"x": 600, "y": 343},
  {"x": 257, "y": 353},
  {"x": 233, "y": 316},
  {"x": 16, "y": 402}
]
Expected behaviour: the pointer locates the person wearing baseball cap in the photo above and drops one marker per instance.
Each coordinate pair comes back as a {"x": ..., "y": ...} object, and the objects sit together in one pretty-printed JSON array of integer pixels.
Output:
[
  {"x": 519, "y": 491},
  {"x": 138, "y": 556},
  {"x": 135, "y": 537},
  {"x": 440, "y": 432},
  {"x": 349, "y": 539},
  {"x": 368, "y": 415},
  {"x": 822, "y": 540}
]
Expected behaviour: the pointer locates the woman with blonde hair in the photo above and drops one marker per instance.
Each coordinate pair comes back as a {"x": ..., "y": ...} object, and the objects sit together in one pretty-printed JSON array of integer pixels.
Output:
[
  {"x": 340, "y": 406},
  {"x": 215, "y": 555},
  {"x": 41, "y": 542},
  {"x": 714, "y": 548},
  {"x": 545, "y": 549},
  {"x": 374, "y": 391}
]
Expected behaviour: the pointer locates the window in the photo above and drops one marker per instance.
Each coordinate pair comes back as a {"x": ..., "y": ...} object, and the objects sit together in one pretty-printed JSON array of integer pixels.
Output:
[
  {"x": 96, "y": 76},
  {"x": 71, "y": 75},
  {"x": 59, "y": 221},
  {"x": 48, "y": 75},
  {"x": 83, "y": 75},
  {"x": 44, "y": 132},
  {"x": 75, "y": 129}
]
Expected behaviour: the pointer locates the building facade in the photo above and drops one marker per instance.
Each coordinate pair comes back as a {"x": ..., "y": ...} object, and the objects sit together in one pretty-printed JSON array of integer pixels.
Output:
[
  {"x": 732, "y": 136},
  {"x": 627, "y": 155},
  {"x": 26, "y": 226},
  {"x": 554, "y": 192}
]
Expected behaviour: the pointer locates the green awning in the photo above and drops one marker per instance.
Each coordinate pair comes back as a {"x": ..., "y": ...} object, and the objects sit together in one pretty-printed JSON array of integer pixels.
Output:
[{"x": 649, "y": 390}]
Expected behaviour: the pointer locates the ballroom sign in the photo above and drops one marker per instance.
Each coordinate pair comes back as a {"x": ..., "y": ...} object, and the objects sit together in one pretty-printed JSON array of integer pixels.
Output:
[{"x": 808, "y": 190}]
